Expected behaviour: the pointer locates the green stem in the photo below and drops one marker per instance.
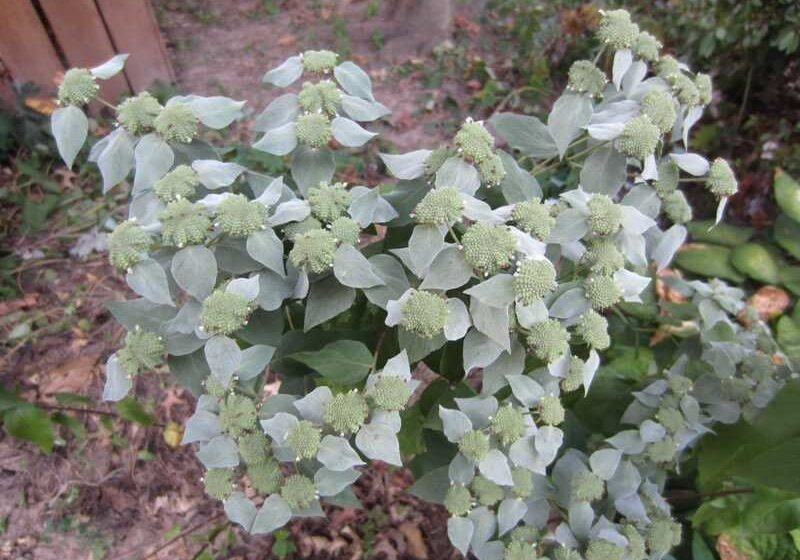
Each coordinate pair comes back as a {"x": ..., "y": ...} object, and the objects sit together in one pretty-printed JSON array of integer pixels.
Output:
[{"x": 288, "y": 317}]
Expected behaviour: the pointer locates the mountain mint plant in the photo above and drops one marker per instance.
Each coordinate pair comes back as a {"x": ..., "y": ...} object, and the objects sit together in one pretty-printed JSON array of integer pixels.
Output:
[{"x": 506, "y": 267}]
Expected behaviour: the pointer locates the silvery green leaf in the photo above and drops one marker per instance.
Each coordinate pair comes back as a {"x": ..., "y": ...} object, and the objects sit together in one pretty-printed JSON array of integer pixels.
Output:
[
  {"x": 632, "y": 508},
  {"x": 494, "y": 322},
  {"x": 141, "y": 313},
  {"x": 668, "y": 245},
  {"x": 223, "y": 356},
  {"x": 362, "y": 110},
  {"x": 459, "y": 531},
  {"x": 625, "y": 481},
  {"x": 485, "y": 526},
  {"x": 312, "y": 166},
  {"x": 202, "y": 426},
  {"x": 425, "y": 243},
  {"x": 604, "y": 462},
  {"x": 517, "y": 185},
  {"x": 312, "y": 406},
  {"x": 510, "y": 512},
  {"x": 272, "y": 290},
  {"x": 692, "y": 116},
  {"x": 417, "y": 346},
  {"x": 194, "y": 269},
  {"x": 589, "y": 370},
  {"x": 632, "y": 80},
  {"x": 268, "y": 190},
  {"x": 330, "y": 483},
  {"x": 278, "y": 426},
  {"x": 571, "y": 112},
  {"x": 149, "y": 280},
  {"x": 390, "y": 419},
  {"x": 581, "y": 516},
  {"x": 369, "y": 207},
  {"x": 312, "y": 510},
  {"x": 633, "y": 247},
  {"x": 295, "y": 210},
  {"x": 116, "y": 159},
  {"x": 651, "y": 431},
  {"x": 398, "y": 366},
  {"x": 265, "y": 247},
  {"x": 631, "y": 284},
  {"x": 479, "y": 350},
  {"x": 181, "y": 344},
  {"x": 432, "y": 486},
  {"x": 98, "y": 147},
  {"x": 326, "y": 299},
  {"x": 650, "y": 171},
  {"x": 479, "y": 211},
  {"x": 523, "y": 454},
  {"x": 479, "y": 410},
  {"x": 565, "y": 537},
  {"x": 145, "y": 207},
  {"x": 240, "y": 509},
  {"x": 494, "y": 375},
  {"x": 548, "y": 441},
  {"x": 354, "y": 80},
  {"x": 110, "y": 67},
  {"x": 454, "y": 423},
  {"x": 536, "y": 312},
  {"x": 216, "y": 174},
  {"x": 349, "y": 133},
  {"x": 723, "y": 203},
  {"x": 214, "y": 112},
  {"x": 352, "y": 268},
  {"x": 691, "y": 163},
  {"x": 395, "y": 281},
  {"x": 406, "y": 166},
  {"x": 70, "y": 128},
  {"x": 118, "y": 381},
  {"x": 448, "y": 270},
  {"x": 219, "y": 453},
  {"x": 245, "y": 287},
  {"x": 526, "y": 390},
  {"x": 255, "y": 360},
  {"x": 336, "y": 454},
  {"x": 457, "y": 173},
  {"x": 634, "y": 221},
  {"x": 569, "y": 304},
  {"x": 154, "y": 158},
  {"x": 605, "y": 131},
  {"x": 278, "y": 141},
  {"x": 494, "y": 466},
  {"x": 645, "y": 199},
  {"x": 622, "y": 62},
  {"x": 274, "y": 514},
  {"x": 493, "y": 550},
  {"x": 378, "y": 441},
  {"x": 285, "y": 74},
  {"x": 404, "y": 254},
  {"x": 525, "y": 133},
  {"x": 570, "y": 226},
  {"x": 604, "y": 171},
  {"x": 458, "y": 321},
  {"x": 615, "y": 111},
  {"x": 628, "y": 441},
  {"x": 281, "y": 110}
]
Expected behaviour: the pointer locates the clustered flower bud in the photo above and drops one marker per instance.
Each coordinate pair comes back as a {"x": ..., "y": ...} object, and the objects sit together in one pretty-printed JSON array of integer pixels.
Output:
[
  {"x": 138, "y": 114},
  {"x": 662, "y": 535},
  {"x": 523, "y": 482},
  {"x": 603, "y": 257},
  {"x": 668, "y": 177},
  {"x": 214, "y": 387},
  {"x": 126, "y": 244},
  {"x": 78, "y": 87},
  {"x": 254, "y": 448},
  {"x": 143, "y": 350},
  {"x": 721, "y": 181},
  {"x": 601, "y": 549},
  {"x": 647, "y": 47},
  {"x": 474, "y": 445},
  {"x": 659, "y": 107},
  {"x": 218, "y": 483},
  {"x": 238, "y": 216},
  {"x": 588, "y": 487},
  {"x": 574, "y": 378},
  {"x": 440, "y": 206},
  {"x": 322, "y": 97},
  {"x": 564, "y": 553},
  {"x": 295, "y": 229},
  {"x": 534, "y": 279},
  {"x": 703, "y": 84},
  {"x": 179, "y": 183},
  {"x": 313, "y": 129},
  {"x": 346, "y": 412},
  {"x": 390, "y": 392},
  {"x": 533, "y": 217},
  {"x": 329, "y": 201},
  {"x": 177, "y": 123},
  {"x": 487, "y": 492},
  {"x": 670, "y": 418},
  {"x": 593, "y": 329},
  {"x": 314, "y": 250},
  {"x": 319, "y": 61},
  {"x": 662, "y": 451},
  {"x": 184, "y": 223},
  {"x": 602, "y": 291},
  {"x": 225, "y": 312},
  {"x": 303, "y": 439},
  {"x": 677, "y": 208},
  {"x": 508, "y": 424},
  {"x": 548, "y": 339},
  {"x": 424, "y": 314},
  {"x": 585, "y": 77},
  {"x": 474, "y": 141},
  {"x": 345, "y": 230},
  {"x": 266, "y": 478},
  {"x": 458, "y": 500},
  {"x": 488, "y": 248},
  {"x": 492, "y": 170},
  {"x": 636, "y": 544},
  {"x": 668, "y": 67},
  {"x": 298, "y": 491},
  {"x": 639, "y": 138},
  {"x": 605, "y": 216},
  {"x": 551, "y": 411},
  {"x": 519, "y": 550},
  {"x": 617, "y": 30},
  {"x": 685, "y": 90},
  {"x": 237, "y": 415},
  {"x": 436, "y": 159}
]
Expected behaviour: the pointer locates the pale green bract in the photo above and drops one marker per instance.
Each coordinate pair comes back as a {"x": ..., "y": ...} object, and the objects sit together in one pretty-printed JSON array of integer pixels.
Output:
[{"x": 466, "y": 263}]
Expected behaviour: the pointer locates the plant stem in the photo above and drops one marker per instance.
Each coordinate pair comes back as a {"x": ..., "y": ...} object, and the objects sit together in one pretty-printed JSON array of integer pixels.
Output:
[
  {"x": 377, "y": 351},
  {"x": 77, "y": 409},
  {"x": 288, "y": 317}
]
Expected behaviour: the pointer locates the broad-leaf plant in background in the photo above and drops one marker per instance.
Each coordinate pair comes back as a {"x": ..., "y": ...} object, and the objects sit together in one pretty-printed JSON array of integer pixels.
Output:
[{"x": 503, "y": 287}]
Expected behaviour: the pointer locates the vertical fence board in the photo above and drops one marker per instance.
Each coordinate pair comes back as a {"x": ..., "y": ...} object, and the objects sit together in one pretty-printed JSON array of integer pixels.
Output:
[
  {"x": 25, "y": 48},
  {"x": 134, "y": 30},
  {"x": 82, "y": 36}
]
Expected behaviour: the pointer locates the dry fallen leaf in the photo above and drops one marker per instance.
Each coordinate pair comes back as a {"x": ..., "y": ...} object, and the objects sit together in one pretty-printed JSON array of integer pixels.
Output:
[
  {"x": 726, "y": 549},
  {"x": 769, "y": 302}
]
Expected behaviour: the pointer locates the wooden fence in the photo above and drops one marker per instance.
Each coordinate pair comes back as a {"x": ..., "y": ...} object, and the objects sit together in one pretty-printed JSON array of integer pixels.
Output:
[{"x": 39, "y": 39}]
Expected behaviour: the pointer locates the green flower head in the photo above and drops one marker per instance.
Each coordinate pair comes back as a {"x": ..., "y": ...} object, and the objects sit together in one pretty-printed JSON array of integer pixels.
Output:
[
  {"x": 214, "y": 387},
  {"x": 679, "y": 384},
  {"x": 237, "y": 415},
  {"x": 225, "y": 312},
  {"x": 737, "y": 388},
  {"x": 254, "y": 448},
  {"x": 585, "y": 77},
  {"x": 662, "y": 535},
  {"x": 721, "y": 181},
  {"x": 662, "y": 451},
  {"x": 758, "y": 365},
  {"x": 436, "y": 159},
  {"x": 441, "y": 206},
  {"x": 492, "y": 170},
  {"x": 298, "y": 491},
  {"x": 488, "y": 248},
  {"x": 670, "y": 418},
  {"x": 345, "y": 230},
  {"x": 668, "y": 67},
  {"x": 639, "y": 138},
  {"x": 534, "y": 217},
  {"x": 548, "y": 339},
  {"x": 295, "y": 229},
  {"x": 523, "y": 482},
  {"x": 346, "y": 412},
  {"x": 605, "y": 216},
  {"x": 487, "y": 492},
  {"x": 603, "y": 257},
  {"x": 602, "y": 291},
  {"x": 177, "y": 123},
  {"x": 322, "y": 97},
  {"x": 474, "y": 445},
  {"x": 677, "y": 208},
  {"x": 593, "y": 329},
  {"x": 601, "y": 549},
  {"x": 458, "y": 500},
  {"x": 588, "y": 487},
  {"x": 564, "y": 553},
  {"x": 239, "y": 217},
  {"x": 704, "y": 88},
  {"x": 424, "y": 314},
  {"x": 329, "y": 201},
  {"x": 184, "y": 223},
  {"x": 668, "y": 176},
  {"x": 525, "y": 533},
  {"x": 508, "y": 424},
  {"x": 179, "y": 183},
  {"x": 617, "y": 30},
  {"x": 218, "y": 483},
  {"x": 647, "y": 47},
  {"x": 534, "y": 279},
  {"x": 313, "y": 129},
  {"x": 474, "y": 141},
  {"x": 659, "y": 107},
  {"x": 314, "y": 250},
  {"x": 519, "y": 550},
  {"x": 138, "y": 114},
  {"x": 574, "y": 378},
  {"x": 303, "y": 439},
  {"x": 266, "y": 477},
  {"x": 551, "y": 411},
  {"x": 636, "y": 545},
  {"x": 126, "y": 244},
  {"x": 685, "y": 90},
  {"x": 390, "y": 392},
  {"x": 143, "y": 350},
  {"x": 78, "y": 87},
  {"x": 319, "y": 61}
]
